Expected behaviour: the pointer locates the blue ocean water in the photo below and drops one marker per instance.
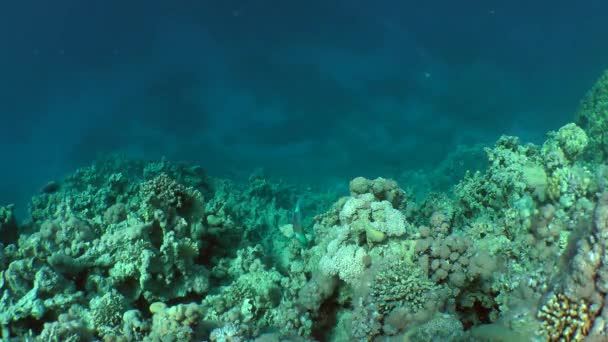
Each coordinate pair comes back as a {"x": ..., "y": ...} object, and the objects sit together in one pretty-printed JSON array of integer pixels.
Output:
[
  {"x": 208, "y": 170},
  {"x": 344, "y": 88}
]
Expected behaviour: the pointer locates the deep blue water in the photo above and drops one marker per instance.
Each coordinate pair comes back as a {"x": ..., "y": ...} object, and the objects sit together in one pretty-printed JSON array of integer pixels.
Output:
[{"x": 341, "y": 88}]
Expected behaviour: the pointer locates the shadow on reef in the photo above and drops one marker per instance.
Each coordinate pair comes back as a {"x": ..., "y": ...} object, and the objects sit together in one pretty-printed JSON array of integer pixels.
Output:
[{"x": 131, "y": 250}]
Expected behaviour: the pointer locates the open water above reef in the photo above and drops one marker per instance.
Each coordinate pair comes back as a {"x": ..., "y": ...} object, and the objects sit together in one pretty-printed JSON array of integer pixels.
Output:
[
  {"x": 303, "y": 171},
  {"x": 344, "y": 88}
]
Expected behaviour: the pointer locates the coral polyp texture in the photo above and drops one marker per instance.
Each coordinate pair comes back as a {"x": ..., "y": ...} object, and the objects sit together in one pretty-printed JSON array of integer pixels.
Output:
[{"x": 132, "y": 250}]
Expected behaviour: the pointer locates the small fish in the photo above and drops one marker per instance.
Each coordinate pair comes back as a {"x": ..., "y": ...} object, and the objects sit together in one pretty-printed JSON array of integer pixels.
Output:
[{"x": 297, "y": 225}]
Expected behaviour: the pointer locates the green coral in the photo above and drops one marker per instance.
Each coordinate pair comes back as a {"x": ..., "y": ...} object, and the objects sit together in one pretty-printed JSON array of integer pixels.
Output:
[
  {"x": 572, "y": 139},
  {"x": 564, "y": 146},
  {"x": 399, "y": 296},
  {"x": 490, "y": 192},
  {"x": 181, "y": 322},
  {"x": 402, "y": 284},
  {"x": 107, "y": 311}
]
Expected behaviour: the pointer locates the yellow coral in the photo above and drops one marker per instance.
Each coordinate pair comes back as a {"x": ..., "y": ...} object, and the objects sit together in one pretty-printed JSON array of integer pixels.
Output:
[
  {"x": 563, "y": 319},
  {"x": 555, "y": 185}
]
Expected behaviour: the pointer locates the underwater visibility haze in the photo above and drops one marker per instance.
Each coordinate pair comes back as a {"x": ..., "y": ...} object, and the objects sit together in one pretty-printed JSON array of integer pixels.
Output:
[{"x": 270, "y": 170}]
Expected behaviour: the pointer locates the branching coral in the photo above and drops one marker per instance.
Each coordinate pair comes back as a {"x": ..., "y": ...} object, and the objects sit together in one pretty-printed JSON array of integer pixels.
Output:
[
  {"x": 565, "y": 320},
  {"x": 569, "y": 312},
  {"x": 399, "y": 297}
]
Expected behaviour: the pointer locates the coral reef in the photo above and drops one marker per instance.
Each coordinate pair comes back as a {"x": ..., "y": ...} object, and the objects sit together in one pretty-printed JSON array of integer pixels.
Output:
[
  {"x": 118, "y": 240},
  {"x": 132, "y": 250}
]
